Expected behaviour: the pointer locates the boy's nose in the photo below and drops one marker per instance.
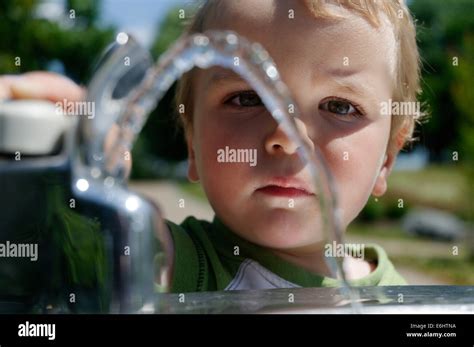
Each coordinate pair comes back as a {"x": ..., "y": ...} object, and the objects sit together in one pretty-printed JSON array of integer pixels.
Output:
[{"x": 279, "y": 142}]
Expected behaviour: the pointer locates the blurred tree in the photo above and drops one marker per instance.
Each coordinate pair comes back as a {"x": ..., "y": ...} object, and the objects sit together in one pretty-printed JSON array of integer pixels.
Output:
[
  {"x": 445, "y": 31},
  {"x": 462, "y": 90},
  {"x": 162, "y": 137},
  {"x": 40, "y": 37}
]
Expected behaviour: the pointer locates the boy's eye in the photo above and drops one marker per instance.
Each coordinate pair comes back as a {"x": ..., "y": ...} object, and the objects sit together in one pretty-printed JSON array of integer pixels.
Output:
[
  {"x": 245, "y": 99},
  {"x": 340, "y": 107}
]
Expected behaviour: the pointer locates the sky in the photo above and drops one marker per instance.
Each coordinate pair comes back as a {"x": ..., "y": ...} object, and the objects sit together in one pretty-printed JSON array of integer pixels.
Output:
[{"x": 141, "y": 18}]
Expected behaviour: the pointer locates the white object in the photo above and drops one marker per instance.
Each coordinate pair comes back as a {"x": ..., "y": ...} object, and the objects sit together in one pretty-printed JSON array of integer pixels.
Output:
[{"x": 31, "y": 127}]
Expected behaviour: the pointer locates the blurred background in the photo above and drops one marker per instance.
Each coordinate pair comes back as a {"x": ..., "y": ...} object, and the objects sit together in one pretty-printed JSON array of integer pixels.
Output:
[{"x": 424, "y": 221}]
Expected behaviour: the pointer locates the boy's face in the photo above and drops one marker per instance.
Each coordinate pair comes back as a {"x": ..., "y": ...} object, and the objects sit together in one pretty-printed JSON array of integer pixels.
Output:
[{"x": 338, "y": 73}]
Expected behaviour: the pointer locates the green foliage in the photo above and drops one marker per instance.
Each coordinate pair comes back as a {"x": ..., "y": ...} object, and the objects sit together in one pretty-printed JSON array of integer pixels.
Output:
[
  {"x": 80, "y": 261},
  {"x": 386, "y": 207},
  {"x": 463, "y": 94},
  {"x": 162, "y": 136},
  {"x": 170, "y": 30},
  {"x": 442, "y": 187},
  {"x": 79, "y": 239},
  {"x": 453, "y": 270},
  {"x": 373, "y": 210},
  {"x": 76, "y": 42},
  {"x": 86, "y": 10},
  {"x": 445, "y": 31}
]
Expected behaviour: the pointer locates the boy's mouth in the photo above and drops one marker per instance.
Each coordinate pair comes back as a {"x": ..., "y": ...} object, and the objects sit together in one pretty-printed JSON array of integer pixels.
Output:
[{"x": 286, "y": 187}]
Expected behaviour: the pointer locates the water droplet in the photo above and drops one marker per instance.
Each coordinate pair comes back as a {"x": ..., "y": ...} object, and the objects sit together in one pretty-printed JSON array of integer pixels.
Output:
[
  {"x": 232, "y": 39},
  {"x": 122, "y": 38},
  {"x": 271, "y": 70},
  {"x": 95, "y": 172},
  {"x": 132, "y": 203},
  {"x": 97, "y": 157},
  {"x": 109, "y": 182},
  {"x": 82, "y": 184},
  {"x": 201, "y": 40}
]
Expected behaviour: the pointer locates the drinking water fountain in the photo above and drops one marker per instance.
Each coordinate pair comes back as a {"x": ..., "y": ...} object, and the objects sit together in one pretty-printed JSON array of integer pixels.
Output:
[{"x": 104, "y": 248}]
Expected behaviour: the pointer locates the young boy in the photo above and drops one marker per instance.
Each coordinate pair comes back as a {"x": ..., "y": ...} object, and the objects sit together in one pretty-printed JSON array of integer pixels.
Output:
[{"x": 342, "y": 60}]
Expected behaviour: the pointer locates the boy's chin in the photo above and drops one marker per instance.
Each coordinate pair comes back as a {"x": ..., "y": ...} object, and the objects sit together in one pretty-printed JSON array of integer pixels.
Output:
[{"x": 283, "y": 230}]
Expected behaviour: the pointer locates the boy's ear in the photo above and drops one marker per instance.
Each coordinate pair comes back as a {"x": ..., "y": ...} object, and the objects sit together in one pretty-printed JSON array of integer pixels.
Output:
[
  {"x": 192, "y": 168},
  {"x": 380, "y": 186}
]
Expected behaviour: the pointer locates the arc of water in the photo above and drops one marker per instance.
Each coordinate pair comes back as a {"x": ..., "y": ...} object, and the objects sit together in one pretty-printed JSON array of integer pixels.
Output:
[{"x": 218, "y": 48}]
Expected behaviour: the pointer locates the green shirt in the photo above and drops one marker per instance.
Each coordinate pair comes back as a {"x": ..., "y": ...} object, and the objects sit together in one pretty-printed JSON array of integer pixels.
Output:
[{"x": 209, "y": 256}]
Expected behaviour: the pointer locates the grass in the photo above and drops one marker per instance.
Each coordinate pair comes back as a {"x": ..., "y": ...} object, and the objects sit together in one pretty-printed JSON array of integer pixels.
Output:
[
  {"x": 418, "y": 253},
  {"x": 445, "y": 187},
  {"x": 456, "y": 271},
  {"x": 384, "y": 230},
  {"x": 193, "y": 189}
]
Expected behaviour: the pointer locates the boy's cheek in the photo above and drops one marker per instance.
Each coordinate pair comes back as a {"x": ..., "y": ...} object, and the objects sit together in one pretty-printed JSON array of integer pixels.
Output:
[{"x": 354, "y": 166}]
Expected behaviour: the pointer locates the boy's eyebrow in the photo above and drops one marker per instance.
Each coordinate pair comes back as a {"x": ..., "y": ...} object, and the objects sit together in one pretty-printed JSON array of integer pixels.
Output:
[
  {"x": 342, "y": 78},
  {"x": 358, "y": 89},
  {"x": 338, "y": 75},
  {"x": 342, "y": 72},
  {"x": 223, "y": 75}
]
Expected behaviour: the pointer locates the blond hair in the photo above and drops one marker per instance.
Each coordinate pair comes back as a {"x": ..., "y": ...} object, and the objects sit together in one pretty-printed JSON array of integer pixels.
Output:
[{"x": 407, "y": 65}]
